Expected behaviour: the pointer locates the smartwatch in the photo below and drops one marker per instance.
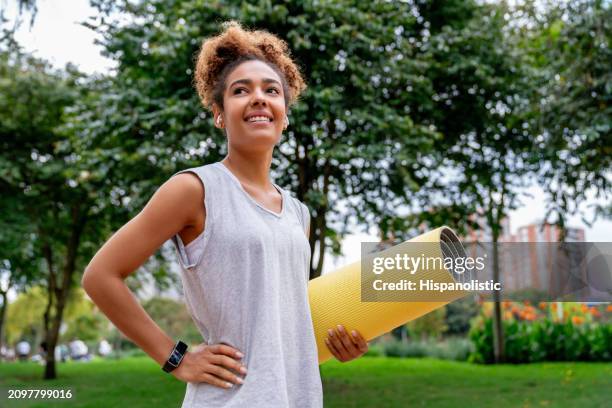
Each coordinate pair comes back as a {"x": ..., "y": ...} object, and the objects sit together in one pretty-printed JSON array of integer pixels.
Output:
[{"x": 175, "y": 357}]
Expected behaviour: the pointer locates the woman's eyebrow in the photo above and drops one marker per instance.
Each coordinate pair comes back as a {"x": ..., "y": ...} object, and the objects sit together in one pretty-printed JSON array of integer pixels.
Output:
[{"x": 249, "y": 82}]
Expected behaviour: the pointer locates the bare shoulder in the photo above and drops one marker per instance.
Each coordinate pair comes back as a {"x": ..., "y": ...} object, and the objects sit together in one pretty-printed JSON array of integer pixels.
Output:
[
  {"x": 187, "y": 183},
  {"x": 184, "y": 190},
  {"x": 174, "y": 208}
]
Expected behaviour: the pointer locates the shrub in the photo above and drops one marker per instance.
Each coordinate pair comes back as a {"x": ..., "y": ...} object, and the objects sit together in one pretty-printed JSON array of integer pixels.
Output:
[
  {"x": 459, "y": 314},
  {"x": 543, "y": 340},
  {"x": 375, "y": 350},
  {"x": 432, "y": 324},
  {"x": 408, "y": 349},
  {"x": 451, "y": 349},
  {"x": 454, "y": 348}
]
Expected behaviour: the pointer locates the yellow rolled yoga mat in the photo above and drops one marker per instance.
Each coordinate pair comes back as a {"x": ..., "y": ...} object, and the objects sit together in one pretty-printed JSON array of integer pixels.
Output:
[{"x": 336, "y": 297}]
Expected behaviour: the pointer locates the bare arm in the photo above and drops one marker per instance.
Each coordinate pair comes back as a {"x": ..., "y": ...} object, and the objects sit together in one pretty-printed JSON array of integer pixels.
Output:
[
  {"x": 173, "y": 207},
  {"x": 170, "y": 209}
]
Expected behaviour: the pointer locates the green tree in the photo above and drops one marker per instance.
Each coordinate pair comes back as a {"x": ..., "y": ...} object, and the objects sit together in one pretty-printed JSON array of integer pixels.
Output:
[
  {"x": 41, "y": 182},
  {"x": 55, "y": 212},
  {"x": 173, "y": 318},
  {"x": 383, "y": 85},
  {"x": 459, "y": 314},
  {"x": 432, "y": 325},
  {"x": 18, "y": 265},
  {"x": 80, "y": 319},
  {"x": 571, "y": 50},
  {"x": 485, "y": 155},
  {"x": 23, "y": 319},
  {"x": 83, "y": 320}
]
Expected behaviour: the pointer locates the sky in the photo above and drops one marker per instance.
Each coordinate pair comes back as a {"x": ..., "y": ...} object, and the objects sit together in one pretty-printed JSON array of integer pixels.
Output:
[{"x": 58, "y": 37}]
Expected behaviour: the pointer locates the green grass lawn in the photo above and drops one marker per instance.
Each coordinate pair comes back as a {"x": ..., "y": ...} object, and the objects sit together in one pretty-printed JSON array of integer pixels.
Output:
[{"x": 366, "y": 382}]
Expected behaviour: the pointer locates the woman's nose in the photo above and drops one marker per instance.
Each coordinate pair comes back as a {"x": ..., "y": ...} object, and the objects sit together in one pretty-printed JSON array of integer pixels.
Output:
[{"x": 258, "y": 97}]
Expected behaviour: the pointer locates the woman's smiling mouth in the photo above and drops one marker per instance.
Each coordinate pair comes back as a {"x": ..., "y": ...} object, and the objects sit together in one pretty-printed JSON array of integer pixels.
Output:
[{"x": 260, "y": 118}]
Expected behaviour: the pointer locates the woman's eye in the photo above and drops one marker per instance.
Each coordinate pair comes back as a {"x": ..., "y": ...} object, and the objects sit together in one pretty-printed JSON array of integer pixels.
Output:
[{"x": 238, "y": 90}]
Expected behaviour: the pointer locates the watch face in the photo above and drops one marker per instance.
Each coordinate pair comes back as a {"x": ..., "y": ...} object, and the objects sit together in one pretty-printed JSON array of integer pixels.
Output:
[{"x": 175, "y": 358}]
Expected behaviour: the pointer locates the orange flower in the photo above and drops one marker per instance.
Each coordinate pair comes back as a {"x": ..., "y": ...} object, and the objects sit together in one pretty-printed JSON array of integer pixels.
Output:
[
  {"x": 530, "y": 316},
  {"x": 594, "y": 312},
  {"x": 542, "y": 305},
  {"x": 527, "y": 314},
  {"x": 554, "y": 306},
  {"x": 609, "y": 308},
  {"x": 526, "y": 303},
  {"x": 584, "y": 308},
  {"x": 508, "y": 316},
  {"x": 577, "y": 320},
  {"x": 507, "y": 304}
]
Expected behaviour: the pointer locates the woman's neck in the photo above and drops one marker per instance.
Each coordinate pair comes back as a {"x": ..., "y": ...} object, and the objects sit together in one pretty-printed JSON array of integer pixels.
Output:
[{"x": 252, "y": 169}]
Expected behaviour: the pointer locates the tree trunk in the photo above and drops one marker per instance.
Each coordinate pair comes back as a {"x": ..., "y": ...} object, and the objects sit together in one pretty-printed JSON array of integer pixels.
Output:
[
  {"x": 3, "y": 307},
  {"x": 498, "y": 329},
  {"x": 58, "y": 294},
  {"x": 317, "y": 237},
  {"x": 322, "y": 245},
  {"x": 50, "y": 371},
  {"x": 320, "y": 225},
  {"x": 51, "y": 293}
]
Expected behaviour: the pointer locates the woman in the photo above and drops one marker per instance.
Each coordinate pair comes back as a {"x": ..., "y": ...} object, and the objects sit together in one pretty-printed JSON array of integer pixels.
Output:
[{"x": 242, "y": 245}]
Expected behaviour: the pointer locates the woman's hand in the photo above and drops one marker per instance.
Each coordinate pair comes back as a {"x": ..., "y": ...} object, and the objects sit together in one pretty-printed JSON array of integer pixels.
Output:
[
  {"x": 344, "y": 346},
  {"x": 211, "y": 364}
]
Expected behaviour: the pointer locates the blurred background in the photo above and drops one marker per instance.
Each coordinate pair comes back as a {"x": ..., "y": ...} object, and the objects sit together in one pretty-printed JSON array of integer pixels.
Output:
[{"x": 491, "y": 117}]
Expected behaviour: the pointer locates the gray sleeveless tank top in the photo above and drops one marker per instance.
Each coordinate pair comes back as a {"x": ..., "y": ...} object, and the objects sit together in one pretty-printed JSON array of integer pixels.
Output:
[{"x": 245, "y": 283}]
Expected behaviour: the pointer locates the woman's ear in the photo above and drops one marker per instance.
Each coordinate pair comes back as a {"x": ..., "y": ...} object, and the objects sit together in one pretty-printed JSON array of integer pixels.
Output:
[{"x": 217, "y": 116}]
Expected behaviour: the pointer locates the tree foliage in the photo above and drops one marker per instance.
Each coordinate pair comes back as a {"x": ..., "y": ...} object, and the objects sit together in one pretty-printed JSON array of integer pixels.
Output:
[
  {"x": 173, "y": 318},
  {"x": 571, "y": 49},
  {"x": 415, "y": 111},
  {"x": 388, "y": 82},
  {"x": 47, "y": 200}
]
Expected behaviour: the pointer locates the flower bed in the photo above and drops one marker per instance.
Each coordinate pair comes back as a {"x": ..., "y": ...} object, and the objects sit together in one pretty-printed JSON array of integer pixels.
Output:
[{"x": 545, "y": 333}]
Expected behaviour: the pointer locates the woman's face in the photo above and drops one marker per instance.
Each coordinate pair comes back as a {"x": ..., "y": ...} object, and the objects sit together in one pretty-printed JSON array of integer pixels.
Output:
[{"x": 254, "y": 115}]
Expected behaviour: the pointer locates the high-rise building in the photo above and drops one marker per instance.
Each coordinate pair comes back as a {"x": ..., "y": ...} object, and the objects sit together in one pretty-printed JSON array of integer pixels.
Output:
[
  {"x": 529, "y": 259},
  {"x": 545, "y": 232}
]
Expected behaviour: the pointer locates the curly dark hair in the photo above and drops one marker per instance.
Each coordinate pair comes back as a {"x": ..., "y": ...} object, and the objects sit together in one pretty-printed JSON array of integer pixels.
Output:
[{"x": 220, "y": 54}]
